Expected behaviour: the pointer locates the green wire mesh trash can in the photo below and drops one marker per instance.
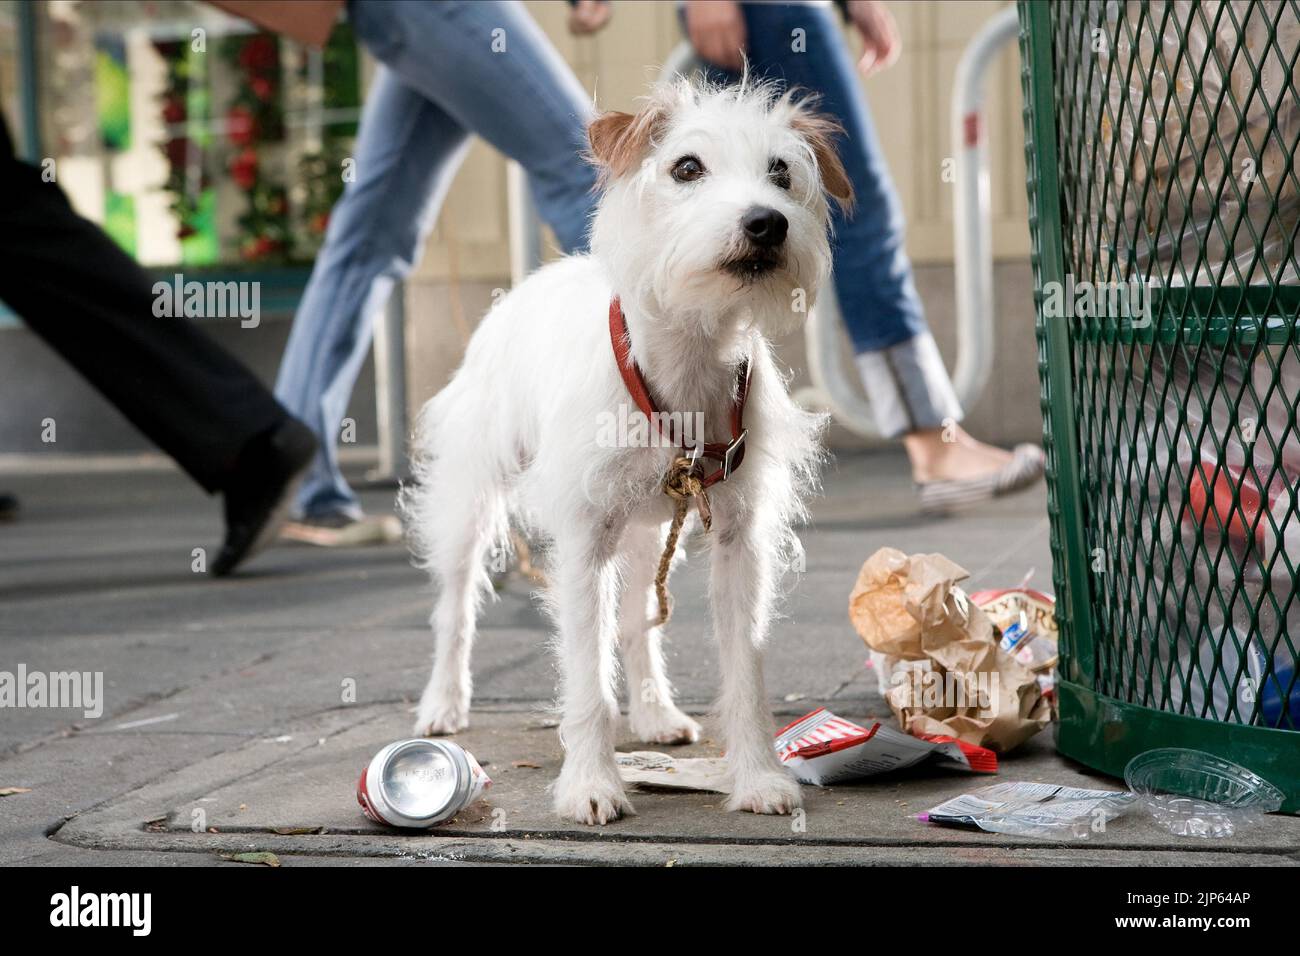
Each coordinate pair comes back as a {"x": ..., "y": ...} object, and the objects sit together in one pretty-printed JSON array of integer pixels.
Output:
[{"x": 1161, "y": 140}]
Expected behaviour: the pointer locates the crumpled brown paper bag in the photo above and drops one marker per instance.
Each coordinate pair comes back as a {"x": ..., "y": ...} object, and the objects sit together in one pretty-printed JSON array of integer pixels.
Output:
[{"x": 910, "y": 609}]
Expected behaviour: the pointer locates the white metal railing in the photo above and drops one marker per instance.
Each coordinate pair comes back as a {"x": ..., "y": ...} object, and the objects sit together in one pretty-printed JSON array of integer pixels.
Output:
[{"x": 972, "y": 221}]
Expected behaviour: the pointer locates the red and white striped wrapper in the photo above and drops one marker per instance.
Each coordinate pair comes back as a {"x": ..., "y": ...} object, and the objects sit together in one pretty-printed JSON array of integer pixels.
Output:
[{"x": 822, "y": 748}]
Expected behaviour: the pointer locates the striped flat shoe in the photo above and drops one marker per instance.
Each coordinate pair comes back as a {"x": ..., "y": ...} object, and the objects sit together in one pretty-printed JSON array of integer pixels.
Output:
[{"x": 1024, "y": 468}]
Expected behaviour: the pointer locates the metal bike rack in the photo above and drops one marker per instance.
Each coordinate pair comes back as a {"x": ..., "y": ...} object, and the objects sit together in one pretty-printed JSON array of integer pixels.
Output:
[
  {"x": 525, "y": 226},
  {"x": 972, "y": 229},
  {"x": 391, "y": 414}
]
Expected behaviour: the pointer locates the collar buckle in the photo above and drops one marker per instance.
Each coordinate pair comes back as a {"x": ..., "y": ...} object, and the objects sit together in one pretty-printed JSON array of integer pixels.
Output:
[{"x": 733, "y": 454}]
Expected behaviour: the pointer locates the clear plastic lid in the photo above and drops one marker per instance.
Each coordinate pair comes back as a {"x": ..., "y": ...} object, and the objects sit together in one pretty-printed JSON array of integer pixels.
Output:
[{"x": 1192, "y": 793}]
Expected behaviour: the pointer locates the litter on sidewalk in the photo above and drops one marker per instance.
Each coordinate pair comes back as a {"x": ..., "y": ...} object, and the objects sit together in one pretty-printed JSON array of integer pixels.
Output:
[
  {"x": 1032, "y": 809},
  {"x": 939, "y": 657},
  {"x": 1027, "y": 621},
  {"x": 420, "y": 783},
  {"x": 820, "y": 748},
  {"x": 652, "y": 770},
  {"x": 1197, "y": 794}
]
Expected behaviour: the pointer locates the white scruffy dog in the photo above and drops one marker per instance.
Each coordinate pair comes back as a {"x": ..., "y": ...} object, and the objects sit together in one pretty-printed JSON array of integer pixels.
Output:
[{"x": 713, "y": 233}]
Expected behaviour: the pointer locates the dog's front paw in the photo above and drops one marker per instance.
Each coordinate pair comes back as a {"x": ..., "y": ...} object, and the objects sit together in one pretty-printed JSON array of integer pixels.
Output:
[
  {"x": 773, "y": 791},
  {"x": 663, "y": 725},
  {"x": 438, "y": 719},
  {"x": 593, "y": 802}
]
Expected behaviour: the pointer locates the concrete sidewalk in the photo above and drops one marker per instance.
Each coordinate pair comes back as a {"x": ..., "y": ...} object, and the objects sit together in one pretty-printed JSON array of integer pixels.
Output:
[{"x": 224, "y": 700}]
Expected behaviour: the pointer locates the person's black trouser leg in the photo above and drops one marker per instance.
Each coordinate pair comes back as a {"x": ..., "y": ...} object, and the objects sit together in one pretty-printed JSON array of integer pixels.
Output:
[{"x": 94, "y": 305}]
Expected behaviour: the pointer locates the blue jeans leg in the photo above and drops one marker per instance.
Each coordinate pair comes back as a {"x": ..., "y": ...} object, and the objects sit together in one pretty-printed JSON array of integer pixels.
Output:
[
  {"x": 489, "y": 65},
  {"x": 449, "y": 69},
  {"x": 407, "y": 153},
  {"x": 492, "y": 69}
]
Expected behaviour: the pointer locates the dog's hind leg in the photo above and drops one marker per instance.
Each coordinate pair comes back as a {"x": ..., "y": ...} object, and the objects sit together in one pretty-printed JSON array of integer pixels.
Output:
[
  {"x": 457, "y": 513},
  {"x": 584, "y": 594},
  {"x": 651, "y": 712}
]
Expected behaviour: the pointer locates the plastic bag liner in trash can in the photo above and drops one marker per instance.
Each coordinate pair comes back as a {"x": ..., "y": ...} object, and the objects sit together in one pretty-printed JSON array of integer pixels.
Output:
[
  {"x": 1218, "y": 565},
  {"x": 1198, "y": 152}
]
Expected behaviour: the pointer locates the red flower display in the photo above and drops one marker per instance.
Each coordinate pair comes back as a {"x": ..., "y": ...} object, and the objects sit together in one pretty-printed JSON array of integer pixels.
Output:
[
  {"x": 259, "y": 247},
  {"x": 177, "y": 151},
  {"x": 243, "y": 168},
  {"x": 241, "y": 125},
  {"x": 173, "y": 109},
  {"x": 259, "y": 53}
]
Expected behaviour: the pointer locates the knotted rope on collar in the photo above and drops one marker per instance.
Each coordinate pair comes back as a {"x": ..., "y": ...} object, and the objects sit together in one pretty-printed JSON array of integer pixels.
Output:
[
  {"x": 686, "y": 478},
  {"x": 682, "y": 483}
]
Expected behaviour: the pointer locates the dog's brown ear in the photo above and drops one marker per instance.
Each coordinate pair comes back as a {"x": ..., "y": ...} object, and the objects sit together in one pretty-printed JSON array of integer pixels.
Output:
[
  {"x": 822, "y": 133},
  {"x": 620, "y": 140},
  {"x": 609, "y": 141}
]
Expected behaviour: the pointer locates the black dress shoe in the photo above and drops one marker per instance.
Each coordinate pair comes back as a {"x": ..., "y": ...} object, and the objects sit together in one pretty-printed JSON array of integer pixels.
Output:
[{"x": 261, "y": 491}]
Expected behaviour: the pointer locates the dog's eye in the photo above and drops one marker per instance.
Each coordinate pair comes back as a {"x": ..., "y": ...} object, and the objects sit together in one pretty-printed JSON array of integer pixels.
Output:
[
  {"x": 687, "y": 169},
  {"x": 779, "y": 173}
]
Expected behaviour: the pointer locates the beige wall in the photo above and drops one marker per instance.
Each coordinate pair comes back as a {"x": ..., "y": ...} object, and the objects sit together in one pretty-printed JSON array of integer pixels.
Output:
[{"x": 468, "y": 257}]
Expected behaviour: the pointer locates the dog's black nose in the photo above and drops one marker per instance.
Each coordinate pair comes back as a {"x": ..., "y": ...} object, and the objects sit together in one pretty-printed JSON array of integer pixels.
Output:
[{"x": 764, "y": 226}]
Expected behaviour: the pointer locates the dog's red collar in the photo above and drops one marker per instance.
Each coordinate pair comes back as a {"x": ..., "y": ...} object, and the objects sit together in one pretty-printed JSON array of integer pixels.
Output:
[{"x": 728, "y": 455}]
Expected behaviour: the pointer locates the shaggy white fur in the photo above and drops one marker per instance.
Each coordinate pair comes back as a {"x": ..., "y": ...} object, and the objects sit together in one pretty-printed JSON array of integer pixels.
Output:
[{"x": 516, "y": 431}]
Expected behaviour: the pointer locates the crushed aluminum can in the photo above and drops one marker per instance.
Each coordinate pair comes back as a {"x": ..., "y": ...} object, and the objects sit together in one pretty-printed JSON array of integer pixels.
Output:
[{"x": 420, "y": 783}]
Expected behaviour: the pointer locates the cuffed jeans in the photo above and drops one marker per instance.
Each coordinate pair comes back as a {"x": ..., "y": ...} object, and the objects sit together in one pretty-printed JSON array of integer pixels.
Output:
[
  {"x": 449, "y": 70},
  {"x": 800, "y": 45}
]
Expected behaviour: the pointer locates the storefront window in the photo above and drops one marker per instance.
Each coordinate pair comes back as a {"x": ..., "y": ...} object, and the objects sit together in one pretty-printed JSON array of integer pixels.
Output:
[{"x": 193, "y": 137}]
